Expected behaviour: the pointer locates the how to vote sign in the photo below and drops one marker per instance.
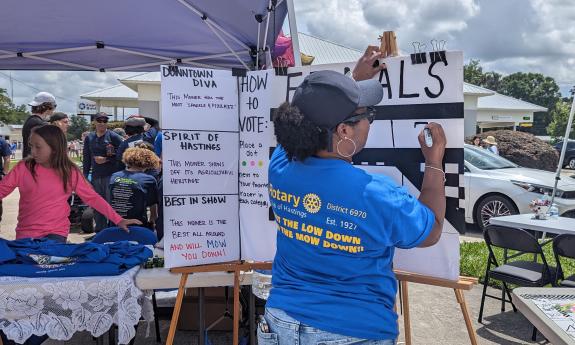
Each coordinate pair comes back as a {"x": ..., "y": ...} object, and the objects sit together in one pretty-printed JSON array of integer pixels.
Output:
[{"x": 200, "y": 164}]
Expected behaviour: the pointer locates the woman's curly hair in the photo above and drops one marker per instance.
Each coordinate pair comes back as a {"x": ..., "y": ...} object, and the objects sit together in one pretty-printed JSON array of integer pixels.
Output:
[
  {"x": 140, "y": 158},
  {"x": 298, "y": 136}
]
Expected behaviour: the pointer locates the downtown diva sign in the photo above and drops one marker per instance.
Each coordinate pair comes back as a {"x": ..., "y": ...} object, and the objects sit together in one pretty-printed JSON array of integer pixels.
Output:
[{"x": 200, "y": 164}]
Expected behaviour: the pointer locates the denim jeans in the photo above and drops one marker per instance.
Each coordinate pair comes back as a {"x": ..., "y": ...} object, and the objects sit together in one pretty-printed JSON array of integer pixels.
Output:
[
  {"x": 285, "y": 330},
  {"x": 101, "y": 186}
]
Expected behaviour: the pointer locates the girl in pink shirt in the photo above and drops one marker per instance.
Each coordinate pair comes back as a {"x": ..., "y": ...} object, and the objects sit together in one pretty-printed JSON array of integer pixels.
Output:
[{"x": 46, "y": 179}]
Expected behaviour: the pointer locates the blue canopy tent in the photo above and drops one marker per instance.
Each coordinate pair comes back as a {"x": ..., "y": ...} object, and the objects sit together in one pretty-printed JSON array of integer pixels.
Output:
[{"x": 136, "y": 35}]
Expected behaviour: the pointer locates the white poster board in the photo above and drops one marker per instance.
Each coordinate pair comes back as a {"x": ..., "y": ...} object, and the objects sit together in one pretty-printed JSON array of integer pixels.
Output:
[
  {"x": 256, "y": 131},
  {"x": 200, "y": 166},
  {"x": 200, "y": 109},
  {"x": 414, "y": 94}
]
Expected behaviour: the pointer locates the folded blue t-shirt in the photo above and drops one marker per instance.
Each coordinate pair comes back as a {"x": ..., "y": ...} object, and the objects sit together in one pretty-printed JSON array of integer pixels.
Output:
[{"x": 48, "y": 258}]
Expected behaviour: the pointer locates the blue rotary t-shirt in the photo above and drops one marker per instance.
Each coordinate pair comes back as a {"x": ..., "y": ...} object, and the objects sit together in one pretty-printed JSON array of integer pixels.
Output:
[{"x": 337, "y": 229}]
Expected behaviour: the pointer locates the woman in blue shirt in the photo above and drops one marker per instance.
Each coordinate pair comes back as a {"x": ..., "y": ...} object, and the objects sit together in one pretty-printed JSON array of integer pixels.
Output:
[{"x": 337, "y": 224}]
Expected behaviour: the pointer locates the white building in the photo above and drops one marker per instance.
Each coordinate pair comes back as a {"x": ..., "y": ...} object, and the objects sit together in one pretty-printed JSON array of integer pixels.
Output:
[
  {"x": 483, "y": 108},
  {"x": 503, "y": 112}
]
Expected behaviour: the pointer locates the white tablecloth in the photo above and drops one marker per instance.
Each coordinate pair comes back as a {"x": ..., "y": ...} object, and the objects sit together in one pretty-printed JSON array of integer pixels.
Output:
[
  {"x": 59, "y": 307},
  {"x": 559, "y": 225}
]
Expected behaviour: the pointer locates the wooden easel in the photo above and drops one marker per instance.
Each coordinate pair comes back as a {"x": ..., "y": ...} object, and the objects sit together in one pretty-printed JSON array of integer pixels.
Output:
[
  {"x": 233, "y": 266},
  {"x": 464, "y": 283}
]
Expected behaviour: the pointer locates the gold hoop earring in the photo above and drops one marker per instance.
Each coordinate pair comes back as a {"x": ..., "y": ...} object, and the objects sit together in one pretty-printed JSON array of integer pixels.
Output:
[{"x": 339, "y": 152}]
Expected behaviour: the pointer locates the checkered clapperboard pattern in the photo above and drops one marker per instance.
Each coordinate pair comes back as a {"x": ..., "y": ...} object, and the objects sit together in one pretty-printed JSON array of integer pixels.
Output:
[
  {"x": 411, "y": 164},
  {"x": 410, "y": 161}
]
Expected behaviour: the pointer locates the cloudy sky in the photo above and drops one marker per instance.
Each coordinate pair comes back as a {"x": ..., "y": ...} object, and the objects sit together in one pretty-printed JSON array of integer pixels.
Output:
[{"x": 506, "y": 35}]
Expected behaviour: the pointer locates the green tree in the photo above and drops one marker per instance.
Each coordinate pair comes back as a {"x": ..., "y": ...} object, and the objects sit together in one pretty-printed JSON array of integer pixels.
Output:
[
  {"x": 531, "y": 87},
  {"x": 9, "y": 113},
  {"x": 492, "y": 81},
  {"x": 473, "y": 73},
  {"x": 559, "y": 118},
  {"x": 78, "y": 125}
]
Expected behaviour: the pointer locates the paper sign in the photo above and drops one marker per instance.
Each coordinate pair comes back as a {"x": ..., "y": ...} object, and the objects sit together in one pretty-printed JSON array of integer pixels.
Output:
[{"x": 200, "y": 166}]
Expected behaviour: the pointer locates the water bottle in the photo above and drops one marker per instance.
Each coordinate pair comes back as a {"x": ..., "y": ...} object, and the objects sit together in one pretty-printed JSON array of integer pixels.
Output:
[
  {"x": 553, "y": 211},
  {"x": 262, "y": 283}
]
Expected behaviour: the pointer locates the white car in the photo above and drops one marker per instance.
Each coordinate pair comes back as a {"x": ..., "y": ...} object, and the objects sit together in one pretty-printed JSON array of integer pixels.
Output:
[{"x": 495, "y": 187}]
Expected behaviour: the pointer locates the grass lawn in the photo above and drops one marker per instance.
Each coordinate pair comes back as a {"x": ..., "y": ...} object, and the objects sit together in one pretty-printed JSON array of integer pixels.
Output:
[
  {"x": 474, "y": 260},
  {"x": 77, "y": 160}
]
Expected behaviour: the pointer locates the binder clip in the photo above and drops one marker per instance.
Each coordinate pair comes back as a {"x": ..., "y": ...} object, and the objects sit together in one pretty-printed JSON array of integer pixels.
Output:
[
  {"x": 418, "y": 57},
  {"x": 173, "y": 67},
  {"x": 281, "y": 66},
  {"x": 438, "y": 53}
]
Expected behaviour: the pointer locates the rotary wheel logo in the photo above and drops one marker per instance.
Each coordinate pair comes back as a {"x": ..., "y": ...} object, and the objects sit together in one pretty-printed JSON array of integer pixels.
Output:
[{"x": 312, "y": 203}]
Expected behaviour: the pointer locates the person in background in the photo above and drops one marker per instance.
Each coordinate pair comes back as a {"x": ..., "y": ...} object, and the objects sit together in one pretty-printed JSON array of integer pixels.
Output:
[
  {"x": 160, "y": 219},
  {"x": 60, "y": 120},
  {"x": 13, "y": 148},
  {"x": 154, "y": 172},
  {"x": 491, "y": 144},
  {"x": 121, "y": 132},
  {"x": 134, "y": 127},
  {"x": 152, "y": 129},
  {"x": 43, "y": 106},
  {"x": 158, "y": 144},
  {"x": 477, "y": 141},
  {"x": 46, "y": 179},
  {"x": 324, "y": 291},
  {"x": 6, "y": 153},
  {"x": 132, "y": 190},
  {"x": 99, "y": 158}
]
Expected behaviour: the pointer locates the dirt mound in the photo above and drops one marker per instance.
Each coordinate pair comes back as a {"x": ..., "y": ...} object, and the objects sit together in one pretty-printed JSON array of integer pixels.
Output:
[{"x": 523, "y": 149}]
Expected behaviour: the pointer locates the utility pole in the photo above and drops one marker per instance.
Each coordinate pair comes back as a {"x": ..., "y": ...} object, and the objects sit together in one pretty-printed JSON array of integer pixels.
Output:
[{"x": 11, "y": 88}]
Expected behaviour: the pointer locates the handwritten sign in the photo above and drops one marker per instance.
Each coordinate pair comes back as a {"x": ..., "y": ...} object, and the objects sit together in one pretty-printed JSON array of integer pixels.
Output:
[
  {"x": 414, "y": 94},
  {"x": 217, "y": 149},
  {"x": 256, "y": 96},
  {"x": 200, "y": 164}
]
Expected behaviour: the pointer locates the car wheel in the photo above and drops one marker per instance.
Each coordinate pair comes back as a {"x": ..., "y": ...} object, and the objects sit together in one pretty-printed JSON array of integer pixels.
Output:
[
  {"x": 87, "y": 221},
  {"x": 493, "y": 206},
  {"x": 571, "y": 163}
]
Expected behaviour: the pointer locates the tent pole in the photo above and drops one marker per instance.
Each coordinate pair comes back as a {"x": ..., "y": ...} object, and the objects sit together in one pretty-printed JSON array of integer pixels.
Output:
[
  {"x": 267, "y": 25},
  {"x": 563, "y": 149},
  {"x": 207, "y": 20},
  {"x": 63, "y": 50},
  {"x": 84, "y": 67},
  {"x": 258, "y": 47},
  {"x": 42, "y": 52},
  {"x": 293, "y": 33},
  {"x": 226, "y": 44}
]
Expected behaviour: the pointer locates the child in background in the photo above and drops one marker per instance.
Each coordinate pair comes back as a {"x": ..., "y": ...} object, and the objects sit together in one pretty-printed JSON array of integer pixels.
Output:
[
  {"x": 132, "y": 190},
  {"x": 155, "y": 172},
  {"x": 46, "y": 180}
]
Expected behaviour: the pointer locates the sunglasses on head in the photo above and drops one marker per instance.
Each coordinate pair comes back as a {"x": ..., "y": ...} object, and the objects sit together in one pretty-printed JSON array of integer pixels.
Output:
[
  {"x": 368, "y": 114},
  {"x": 102, "y": 120}
]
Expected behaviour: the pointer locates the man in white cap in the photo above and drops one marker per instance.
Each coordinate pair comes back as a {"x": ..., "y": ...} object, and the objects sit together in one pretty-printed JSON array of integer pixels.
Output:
[{"x": 43, "y": 107}]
